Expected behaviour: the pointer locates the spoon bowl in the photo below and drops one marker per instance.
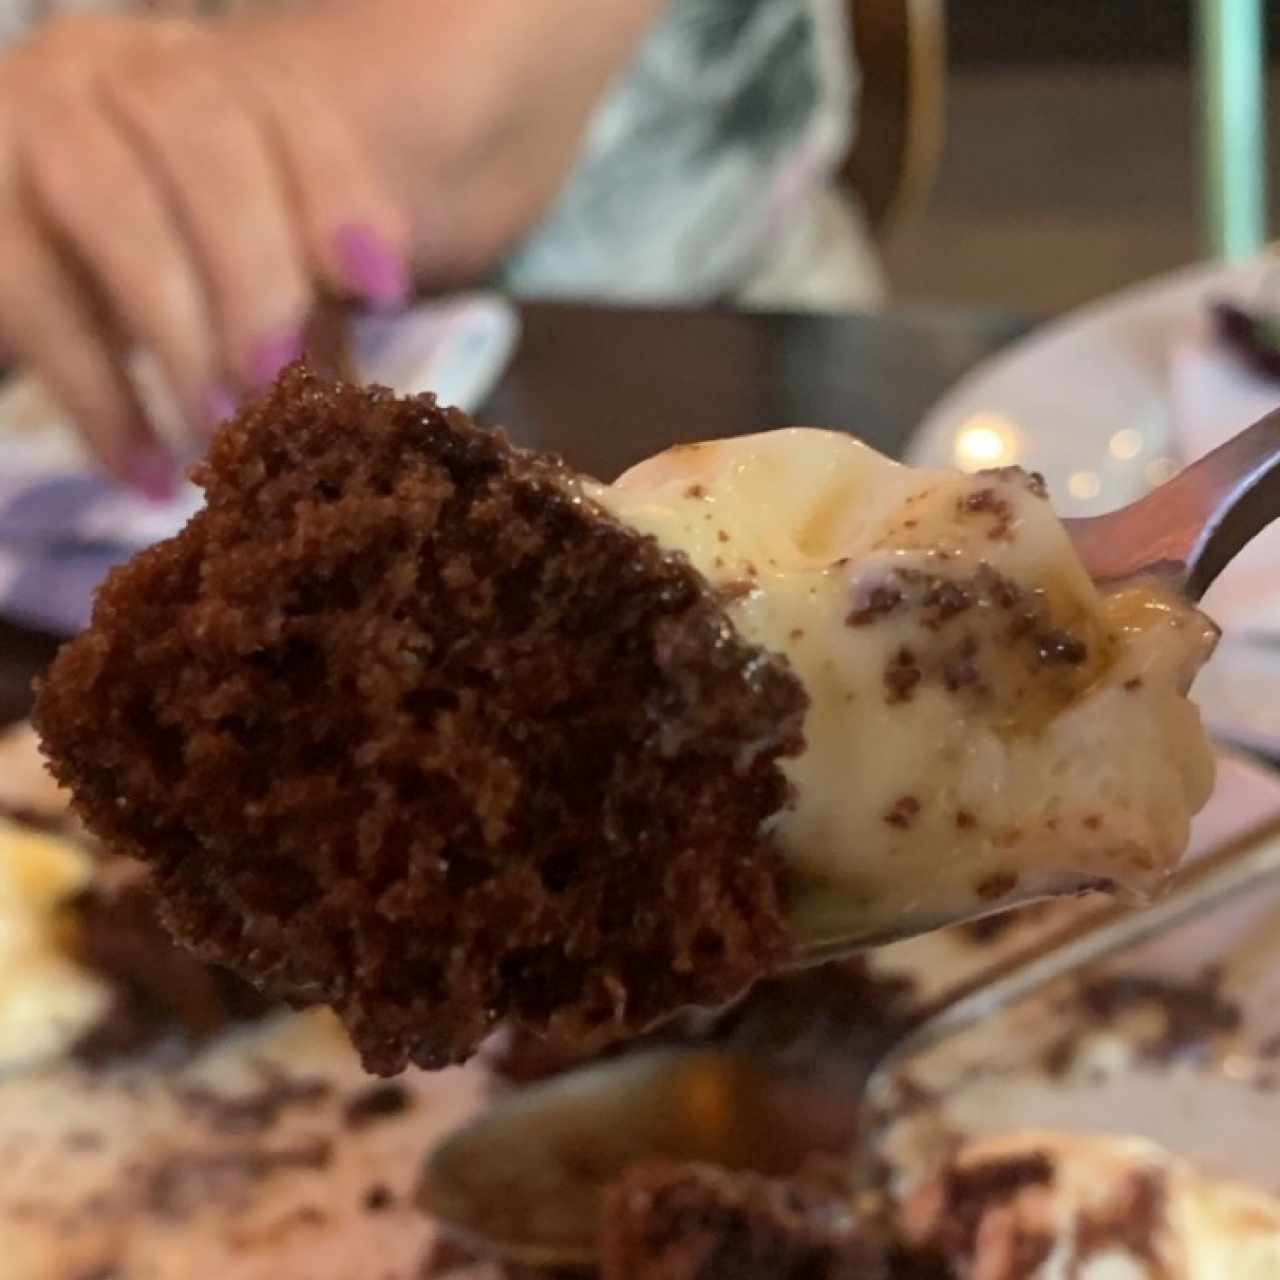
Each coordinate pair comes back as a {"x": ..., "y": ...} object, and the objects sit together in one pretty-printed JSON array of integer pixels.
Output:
[{"x": 524, "y": 1179}]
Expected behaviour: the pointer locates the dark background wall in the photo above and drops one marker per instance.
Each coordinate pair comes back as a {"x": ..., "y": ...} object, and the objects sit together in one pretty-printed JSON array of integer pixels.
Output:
[{"x": 1013, "y": 33}]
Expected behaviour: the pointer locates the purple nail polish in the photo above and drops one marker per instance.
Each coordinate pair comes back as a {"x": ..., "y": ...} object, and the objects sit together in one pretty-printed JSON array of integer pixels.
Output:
[
  {"x": 152, "y": 472},
  {"x": 271, "y": 355},
  {"x": 372, "y": 268},
  {"x": 219, "y": 405}
]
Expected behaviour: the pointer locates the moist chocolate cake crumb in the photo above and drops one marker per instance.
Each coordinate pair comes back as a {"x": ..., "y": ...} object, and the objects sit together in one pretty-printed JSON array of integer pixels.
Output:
[
  {"x": 699, "y": 1222},
  {"x": 406, "y": 725},
  {"x": 378, "y": 1102}
]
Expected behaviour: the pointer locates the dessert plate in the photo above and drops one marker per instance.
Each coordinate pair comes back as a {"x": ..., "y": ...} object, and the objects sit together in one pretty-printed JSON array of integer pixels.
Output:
[
  {"x": 1086, "y": 399},
  {"x": 1174, "y": 1040}
]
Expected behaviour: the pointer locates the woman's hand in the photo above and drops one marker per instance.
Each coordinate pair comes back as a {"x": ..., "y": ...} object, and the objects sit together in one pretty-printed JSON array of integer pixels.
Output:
[{"x": 161, "y": 191}]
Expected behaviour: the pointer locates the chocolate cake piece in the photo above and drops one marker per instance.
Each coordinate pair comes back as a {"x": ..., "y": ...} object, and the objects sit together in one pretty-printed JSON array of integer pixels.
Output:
[
  {"x": 700, "y": 1222},
  {"x": 405, "y": 724}
]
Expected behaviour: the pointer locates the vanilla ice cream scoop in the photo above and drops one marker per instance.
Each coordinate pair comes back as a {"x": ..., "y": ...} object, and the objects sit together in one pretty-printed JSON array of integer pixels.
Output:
[
  {"x": 1038, "y": 1206},
  {"x": 986, "y": 725}
]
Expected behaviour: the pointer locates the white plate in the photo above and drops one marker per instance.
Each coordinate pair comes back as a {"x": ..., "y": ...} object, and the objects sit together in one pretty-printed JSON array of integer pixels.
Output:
[
  {"x": 1085, "y": 399},
  {"x": 991, "y": 1079}
]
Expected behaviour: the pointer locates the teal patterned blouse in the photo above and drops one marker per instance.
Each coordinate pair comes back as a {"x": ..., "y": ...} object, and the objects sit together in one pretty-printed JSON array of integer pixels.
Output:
[{"x": 731, "y": 117}]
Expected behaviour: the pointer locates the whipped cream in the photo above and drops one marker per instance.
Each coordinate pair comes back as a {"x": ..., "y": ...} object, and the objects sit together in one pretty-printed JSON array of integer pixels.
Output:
[
  {"x": 986, "y": 726},
  {"x": 1041, "y": 1206}
]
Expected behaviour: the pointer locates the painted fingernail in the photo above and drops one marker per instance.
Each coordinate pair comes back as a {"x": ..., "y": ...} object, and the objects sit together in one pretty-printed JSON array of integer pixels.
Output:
[
  {"x": 271, "y": 355},
  {"x": 219, "y": 405},
  {"x": 152, "y": 472},
  {"x": 372, "y": 267}
]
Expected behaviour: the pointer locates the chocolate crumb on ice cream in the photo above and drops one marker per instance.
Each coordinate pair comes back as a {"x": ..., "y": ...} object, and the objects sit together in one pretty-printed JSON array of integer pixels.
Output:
[
  {"x": 1038, "y": 1206},
  {"x": 405, "y": 723}
]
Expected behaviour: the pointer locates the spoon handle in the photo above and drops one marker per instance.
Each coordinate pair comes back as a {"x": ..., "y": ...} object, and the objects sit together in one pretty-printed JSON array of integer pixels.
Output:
[{"x": 1194, "y": 524}]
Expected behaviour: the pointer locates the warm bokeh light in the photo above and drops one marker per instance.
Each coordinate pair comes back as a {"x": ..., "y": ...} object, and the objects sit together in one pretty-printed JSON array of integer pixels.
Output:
[
  {"x": 1084, "y": 484},
  {"x": 1125, "y": 444},
  {"x": 986, "y": 440}
]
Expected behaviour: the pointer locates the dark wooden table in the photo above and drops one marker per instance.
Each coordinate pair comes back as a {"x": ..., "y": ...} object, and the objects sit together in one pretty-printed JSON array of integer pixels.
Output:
[{"x": 606, "y": 387}]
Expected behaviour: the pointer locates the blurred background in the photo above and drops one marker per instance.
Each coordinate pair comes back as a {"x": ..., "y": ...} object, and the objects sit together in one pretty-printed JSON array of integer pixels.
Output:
[{"x": 1069, "y": 166}]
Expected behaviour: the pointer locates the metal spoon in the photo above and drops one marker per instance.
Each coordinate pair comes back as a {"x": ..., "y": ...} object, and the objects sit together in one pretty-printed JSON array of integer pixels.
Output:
[
  {"x": 1190, "y": 528},
  {"x": 523, "y": 1181}
]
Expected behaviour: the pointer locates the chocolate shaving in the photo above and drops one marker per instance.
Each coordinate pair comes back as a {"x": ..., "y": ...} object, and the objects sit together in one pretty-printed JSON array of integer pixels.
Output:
[
  {"x": 1060, "y": 647},
  {"x": 960, "y": 671},
  {"x": 1032, "y": 481},
  {"x": 989, "y": 502},
  {"x": 901, "y": 676},
  {"x": 903, "y": 812},
  {"x": 880, "y": 601}
]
